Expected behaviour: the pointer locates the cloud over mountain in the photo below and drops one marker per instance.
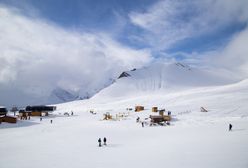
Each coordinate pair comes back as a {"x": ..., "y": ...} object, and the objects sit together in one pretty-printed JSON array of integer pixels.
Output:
[{"x": 36, "y": 56}]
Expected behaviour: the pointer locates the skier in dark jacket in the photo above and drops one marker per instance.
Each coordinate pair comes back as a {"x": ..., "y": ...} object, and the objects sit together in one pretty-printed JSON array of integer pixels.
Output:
[
  {"x": 100, "y": 141},
  {"x": 230, "y": 127},
  {"x": 105, "y": 141}
]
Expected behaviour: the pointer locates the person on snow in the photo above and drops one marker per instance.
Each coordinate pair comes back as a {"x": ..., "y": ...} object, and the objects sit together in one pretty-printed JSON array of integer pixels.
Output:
[
  {"x": 105, "y": 141},
  {"x": 51, "y": 121},
  {"x": 138, "y": 119},
  {"x": 142, "y": 123},
  {"x": 230, "y": 127},
  {"x": 100, "y": 141}
]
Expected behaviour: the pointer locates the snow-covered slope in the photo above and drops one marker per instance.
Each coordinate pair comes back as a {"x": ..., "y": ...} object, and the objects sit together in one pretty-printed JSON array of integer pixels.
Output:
[
  {"x": 193, "y": 139},
  {"x": 162, "y": 77},
  {"x": 222, "y": 101}
]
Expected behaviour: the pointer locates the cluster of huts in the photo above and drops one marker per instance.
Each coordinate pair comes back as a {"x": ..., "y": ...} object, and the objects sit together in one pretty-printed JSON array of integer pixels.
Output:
[
  {"x": 24, "y": 114},
  {"x": 159, "y": 118}
]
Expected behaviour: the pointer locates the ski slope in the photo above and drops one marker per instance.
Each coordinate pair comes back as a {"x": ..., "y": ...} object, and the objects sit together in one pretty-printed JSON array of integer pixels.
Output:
[{"x": 194, "y": 139}]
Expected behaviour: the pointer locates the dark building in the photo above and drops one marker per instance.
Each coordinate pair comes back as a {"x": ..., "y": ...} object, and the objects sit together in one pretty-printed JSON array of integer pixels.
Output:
[
  {"x": 40, "y": 110},
  {"x": 3, "y": 111}
]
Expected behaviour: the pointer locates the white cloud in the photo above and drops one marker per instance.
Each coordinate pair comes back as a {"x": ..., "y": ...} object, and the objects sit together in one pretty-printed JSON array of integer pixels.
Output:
[
  {"x": 170, "y": 21},
  {"x": 37, "y": 56},
  {"x": 233, "y": 57},
  {"x": 230, "y": 60}
]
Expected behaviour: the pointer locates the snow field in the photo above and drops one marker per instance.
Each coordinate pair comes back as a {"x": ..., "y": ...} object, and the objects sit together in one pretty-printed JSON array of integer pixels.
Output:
[{"x": 194, "y": 139}]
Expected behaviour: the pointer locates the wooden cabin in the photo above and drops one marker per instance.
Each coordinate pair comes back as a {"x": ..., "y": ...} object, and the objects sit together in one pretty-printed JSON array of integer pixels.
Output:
[
  {"x": 139, "y": 108},
  {"x": 159, "y": 118},
  {"x": 40, "y": 110},
  {"x": 3, "y": 111},
  {"x": 156, "y": 118},
  {"x": 161, "y": 112},
  {"x": 154, "y": 109},
  {"x": 8, "y": 119}
]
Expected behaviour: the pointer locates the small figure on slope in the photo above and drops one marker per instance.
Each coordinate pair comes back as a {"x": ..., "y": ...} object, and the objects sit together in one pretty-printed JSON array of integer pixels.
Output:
[
  {"x": 230, "y": 127},
  {"x": 105, "y": 141},
  {"x": 100, "y": 141}
]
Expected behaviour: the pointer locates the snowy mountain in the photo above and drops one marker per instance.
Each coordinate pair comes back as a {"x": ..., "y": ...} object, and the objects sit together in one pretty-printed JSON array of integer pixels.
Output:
[
  {"x": 155, "y": 78},
  {"x": 60, "y": 95},
  {"x": 163, "y": 77}
]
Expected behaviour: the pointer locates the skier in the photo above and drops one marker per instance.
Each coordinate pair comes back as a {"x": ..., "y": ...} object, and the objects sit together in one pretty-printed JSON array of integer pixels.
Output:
[
  {"x": 99, "y": 141},
  {"x": 105, "y": 141},
  {"x": 138, "y": 119},
  {"x": 142, "y": 123},
  {"x": 230, "y": 127},
  {"x": 40, "y": 119},
  {"x": 72, "y": 113},
  {"x": 51, "y": 121}
]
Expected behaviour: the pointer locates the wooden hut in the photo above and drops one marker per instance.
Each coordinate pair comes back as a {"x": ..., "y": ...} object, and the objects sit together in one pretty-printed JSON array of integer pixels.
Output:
[
  {"x": 154, "y": 109},
  {"x": 139, "y": 108},
  {"x": 156, "y": 118},
  {"x": 161, "y": 112},
  {"x": 8, "y": 119},
  {"x": 159, "y": 118}
]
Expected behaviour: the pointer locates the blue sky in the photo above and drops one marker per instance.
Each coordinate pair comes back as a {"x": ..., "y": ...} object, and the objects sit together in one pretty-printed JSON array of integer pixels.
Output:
[{"x": 113, "y": 17}]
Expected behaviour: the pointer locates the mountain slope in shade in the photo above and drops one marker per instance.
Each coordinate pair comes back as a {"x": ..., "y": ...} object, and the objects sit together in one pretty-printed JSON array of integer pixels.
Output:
[{"x": 60, "y": 95}]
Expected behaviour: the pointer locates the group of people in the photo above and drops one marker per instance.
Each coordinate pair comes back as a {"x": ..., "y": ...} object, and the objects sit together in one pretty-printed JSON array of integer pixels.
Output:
[{"x": 104, "y": 141}]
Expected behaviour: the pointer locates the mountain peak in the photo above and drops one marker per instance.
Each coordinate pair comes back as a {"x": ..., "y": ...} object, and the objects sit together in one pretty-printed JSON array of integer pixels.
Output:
[{"x": 124, "y": 74}]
